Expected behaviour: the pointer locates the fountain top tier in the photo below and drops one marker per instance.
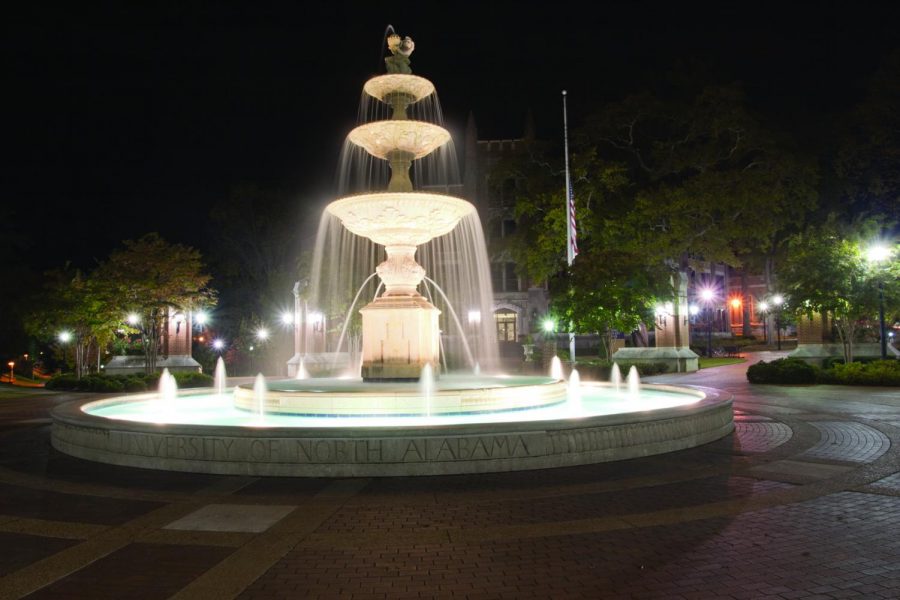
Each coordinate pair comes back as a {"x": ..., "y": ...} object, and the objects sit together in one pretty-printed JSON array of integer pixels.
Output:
[
  {"x": 400, "y": 216},
  {"x": 384, "y": 87}
]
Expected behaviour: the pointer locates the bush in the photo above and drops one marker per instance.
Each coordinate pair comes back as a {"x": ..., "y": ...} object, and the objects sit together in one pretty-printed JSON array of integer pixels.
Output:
[
  {"x": 192, "y": 379},
  {"x": 876, "y": 372},
  {"x": 600, "y": 369},
  {"x": 783, "y": 370},
  {"x": 66, "y": 381},
  {"x": 138, "y": 382},
  {"x": 134, "y": 384}
]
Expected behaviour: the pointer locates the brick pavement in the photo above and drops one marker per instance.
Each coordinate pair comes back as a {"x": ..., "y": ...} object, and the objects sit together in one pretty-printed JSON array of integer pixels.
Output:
[{"x": 802, "y": 501}]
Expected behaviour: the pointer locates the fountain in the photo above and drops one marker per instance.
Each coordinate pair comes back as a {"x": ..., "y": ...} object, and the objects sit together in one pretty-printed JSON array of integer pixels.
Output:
[{"x": 406, "y": 414}]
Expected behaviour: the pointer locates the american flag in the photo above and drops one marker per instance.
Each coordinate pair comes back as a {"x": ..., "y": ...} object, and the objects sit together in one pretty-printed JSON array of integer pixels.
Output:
[{"x": 572, "y": 231}]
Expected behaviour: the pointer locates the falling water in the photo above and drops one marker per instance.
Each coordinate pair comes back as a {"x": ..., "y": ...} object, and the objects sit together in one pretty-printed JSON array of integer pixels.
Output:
[
  {"x": 457, "y": 260},
  {"x": 302, "y": 373},
  {"x": 556, "y": 371},
  {"x": 219, "y": 377},
  {"x": 426, "y": 387},
  {"x": 634, "y": 383},
  {"x": 574, "y": 393},
  {"x": 477, "y": 370},
  {"x": 168, "y": 391},
  {"x": 615, "y": 377},
  {"x": 259, "y": 394}
]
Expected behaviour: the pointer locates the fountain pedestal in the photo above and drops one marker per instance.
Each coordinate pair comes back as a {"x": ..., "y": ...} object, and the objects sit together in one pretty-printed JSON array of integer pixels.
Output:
[{"x": 400, "y": 336}]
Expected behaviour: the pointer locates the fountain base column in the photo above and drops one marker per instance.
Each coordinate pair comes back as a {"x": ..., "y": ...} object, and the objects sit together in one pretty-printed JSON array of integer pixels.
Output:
[{"x": 400, "y": 336}]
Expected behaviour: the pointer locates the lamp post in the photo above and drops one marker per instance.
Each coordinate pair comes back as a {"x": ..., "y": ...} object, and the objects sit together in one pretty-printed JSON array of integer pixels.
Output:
[
  {"x": 707, "y": 295},
  {"x": 763, "y": 307},
  {"x": 11, "y": 371},
  {"x": 777, "y": 301},
  {"x": 876, "y": 254},
  {"x": 64, "y": 338}
]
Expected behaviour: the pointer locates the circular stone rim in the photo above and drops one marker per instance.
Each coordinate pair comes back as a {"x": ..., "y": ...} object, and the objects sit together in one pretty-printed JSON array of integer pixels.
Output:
[
  {"x": 383, "y": 85},
  {"x": 385, "y": 451}
]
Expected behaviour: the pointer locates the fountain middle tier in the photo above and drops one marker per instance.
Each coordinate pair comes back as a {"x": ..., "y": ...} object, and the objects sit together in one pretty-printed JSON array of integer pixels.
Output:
[
  {"x": 400, "y": 218},
  {"x": 416, "y": 138}
]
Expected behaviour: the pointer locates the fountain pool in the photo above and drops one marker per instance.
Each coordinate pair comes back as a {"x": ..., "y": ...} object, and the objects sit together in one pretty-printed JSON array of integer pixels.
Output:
[{"x": 207, "y": 433}]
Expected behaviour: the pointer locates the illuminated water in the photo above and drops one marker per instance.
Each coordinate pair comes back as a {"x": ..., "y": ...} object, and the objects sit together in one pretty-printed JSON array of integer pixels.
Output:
[{"x": 595, "y": 399}]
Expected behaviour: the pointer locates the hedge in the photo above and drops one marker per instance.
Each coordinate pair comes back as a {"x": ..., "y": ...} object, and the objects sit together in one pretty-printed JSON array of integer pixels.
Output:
[
  {"x": 137, "y": 382},
  {"x": 794, "y": 370}
]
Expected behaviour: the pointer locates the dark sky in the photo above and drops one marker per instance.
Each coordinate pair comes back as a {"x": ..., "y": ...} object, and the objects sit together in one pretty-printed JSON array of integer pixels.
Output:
[{"x": 129, "y": 117}]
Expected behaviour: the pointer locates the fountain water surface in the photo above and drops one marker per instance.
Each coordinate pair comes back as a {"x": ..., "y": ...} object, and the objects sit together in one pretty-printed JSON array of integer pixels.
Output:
[{"x": 407, "y": 413}]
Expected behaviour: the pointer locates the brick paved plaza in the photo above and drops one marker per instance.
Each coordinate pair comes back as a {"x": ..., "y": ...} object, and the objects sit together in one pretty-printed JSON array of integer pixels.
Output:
[{"x": 802, "y": 501}]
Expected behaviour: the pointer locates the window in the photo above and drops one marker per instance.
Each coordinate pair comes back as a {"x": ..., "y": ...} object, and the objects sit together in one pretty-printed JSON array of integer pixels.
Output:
[{"x": 506, "y": 325}]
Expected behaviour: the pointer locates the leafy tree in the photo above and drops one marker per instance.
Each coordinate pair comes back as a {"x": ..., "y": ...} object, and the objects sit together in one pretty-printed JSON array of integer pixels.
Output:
[
  {"x": 869, "y": 159},
  {"x": 659, "y": 186},
  {"x": 254, "y": 244},
  {"x": 81, "y": 306},
  {"x": 150, "y": 276},
  {"x": 709, "y": 182},
  {"x": 827, "y": 272}
]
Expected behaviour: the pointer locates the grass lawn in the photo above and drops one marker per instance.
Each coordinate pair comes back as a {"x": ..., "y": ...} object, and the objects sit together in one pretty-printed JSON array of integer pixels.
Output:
[
  {"x": 8, "y": 392},
  {"x": 707, "y": 363}
]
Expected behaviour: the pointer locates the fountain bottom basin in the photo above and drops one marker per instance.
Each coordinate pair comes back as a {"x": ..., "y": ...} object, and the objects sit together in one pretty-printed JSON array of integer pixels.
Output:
[
  {"x": 452, "y": 394},
  {"x": 207, "y": 434}
]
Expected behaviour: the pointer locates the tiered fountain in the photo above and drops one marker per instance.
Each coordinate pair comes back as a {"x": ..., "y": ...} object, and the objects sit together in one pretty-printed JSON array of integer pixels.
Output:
[{"x": 389, "y": 423}]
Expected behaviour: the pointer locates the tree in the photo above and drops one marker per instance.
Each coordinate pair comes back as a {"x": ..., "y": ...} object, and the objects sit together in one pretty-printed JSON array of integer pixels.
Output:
[
  {"x": 79, "y": 305},
  {"x": 827, "y": 272},
  {"x": 149, "y": 277},
  {"x": 659, "y": 186},
  {"x": 868, "y": 162}
]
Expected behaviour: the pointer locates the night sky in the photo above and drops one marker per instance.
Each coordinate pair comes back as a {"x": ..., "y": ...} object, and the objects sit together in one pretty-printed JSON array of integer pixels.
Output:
[{"x": 127, "y": 118}]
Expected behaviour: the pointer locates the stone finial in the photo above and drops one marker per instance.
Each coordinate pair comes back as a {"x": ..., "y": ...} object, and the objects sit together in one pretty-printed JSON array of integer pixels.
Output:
[{"x": 398, "y": 61}]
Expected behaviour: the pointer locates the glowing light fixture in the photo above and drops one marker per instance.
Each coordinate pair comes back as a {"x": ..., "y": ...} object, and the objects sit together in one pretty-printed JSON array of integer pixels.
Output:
[
  {"x": 878, "y": 253},
  {"x": 777, "y": 299},
  {"x": 65, "y": 337},
  {"x": 707, "y": 294},
  {"x": 218, "y": 344},
  {"x": 763, "y": 306},
  {"x": 693, "y": 309},
  {"x": 200, "y": 317},
  {"x": 287, "y": 318},
  {"x": 133, "y": 319},
  {"x": 262, "y": 334},
  {"x": 735, "y": 303},
  {"x": 549, "y": 325}
]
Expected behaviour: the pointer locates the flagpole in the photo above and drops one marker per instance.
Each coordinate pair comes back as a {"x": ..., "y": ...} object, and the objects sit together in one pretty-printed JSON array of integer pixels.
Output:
[{"x": 570, "y": 249}]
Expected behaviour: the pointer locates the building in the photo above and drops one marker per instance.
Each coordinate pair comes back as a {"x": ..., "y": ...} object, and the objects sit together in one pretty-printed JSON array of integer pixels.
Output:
[{"x": 518, "y": 304}]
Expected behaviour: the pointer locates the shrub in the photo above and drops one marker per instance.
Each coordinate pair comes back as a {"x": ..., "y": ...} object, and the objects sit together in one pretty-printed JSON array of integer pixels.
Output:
[
  {"x": 783, "y": 370},
  {"x": 600, "y": 369},
  {"x": 66, "y": 381},
  {"x": 877, "y": 372},
  {"x": 134, "y": 384},
  {"x": 192, "y": 379}
]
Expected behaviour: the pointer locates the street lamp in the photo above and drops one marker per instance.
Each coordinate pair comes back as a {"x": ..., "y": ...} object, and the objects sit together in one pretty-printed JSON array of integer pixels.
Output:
[
  {"x": 64, "y": 338},
  {"x": 708, "y": 295},
  {"x": 11, "y": 372},
  {"x": 763, "y": 307},
  {"x": 218, "y": 345},
  {"x": 777, "y": 301},
  {"x": 876, "y": 254}
]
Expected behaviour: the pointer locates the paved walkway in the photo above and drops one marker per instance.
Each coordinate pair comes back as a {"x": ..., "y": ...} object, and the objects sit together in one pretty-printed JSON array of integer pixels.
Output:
[{"x": 802, "y": 501}]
